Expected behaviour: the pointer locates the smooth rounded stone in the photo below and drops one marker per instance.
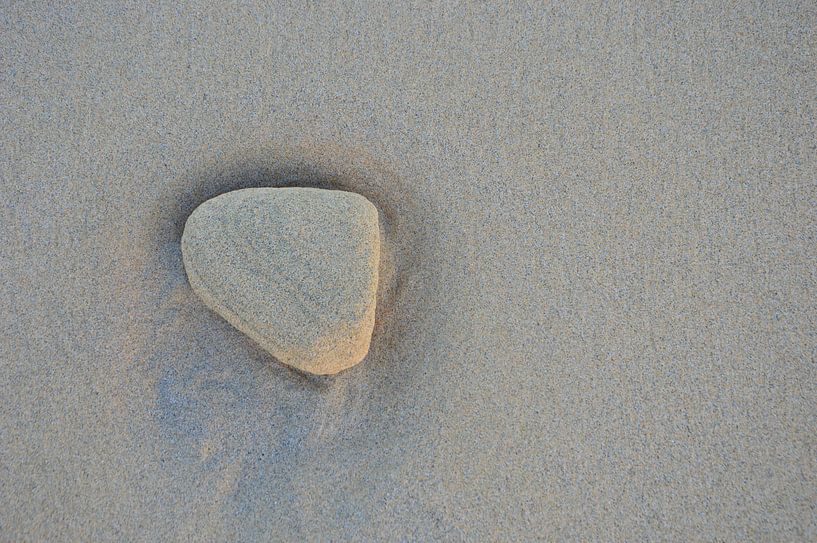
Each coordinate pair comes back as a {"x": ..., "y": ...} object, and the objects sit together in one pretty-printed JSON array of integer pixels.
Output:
[{"x": 293, "y": 268}]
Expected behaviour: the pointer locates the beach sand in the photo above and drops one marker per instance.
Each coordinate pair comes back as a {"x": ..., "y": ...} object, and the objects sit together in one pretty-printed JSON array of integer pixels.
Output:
[{"x": 598, "y": 306}]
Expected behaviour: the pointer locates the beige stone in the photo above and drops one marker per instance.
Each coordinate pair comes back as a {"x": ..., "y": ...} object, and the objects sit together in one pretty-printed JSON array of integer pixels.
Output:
[{"x": 295, "y": 269}]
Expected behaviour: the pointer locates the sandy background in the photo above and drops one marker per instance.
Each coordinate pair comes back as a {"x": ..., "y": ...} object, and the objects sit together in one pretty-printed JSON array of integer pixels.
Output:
[{"x": 601, "y": 321}]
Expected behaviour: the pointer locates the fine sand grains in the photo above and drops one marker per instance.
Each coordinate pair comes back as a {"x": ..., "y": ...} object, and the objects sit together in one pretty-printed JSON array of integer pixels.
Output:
[{"x": 597, "y": 306}]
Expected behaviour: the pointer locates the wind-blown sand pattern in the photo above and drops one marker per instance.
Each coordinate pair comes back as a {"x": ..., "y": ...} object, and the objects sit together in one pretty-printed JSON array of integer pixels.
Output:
[
  {"x": 293, "y": 268},
  {"x": 597, "y": 298}
]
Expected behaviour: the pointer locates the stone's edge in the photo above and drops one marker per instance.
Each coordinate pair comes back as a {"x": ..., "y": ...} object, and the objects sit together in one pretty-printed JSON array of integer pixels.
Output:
[
  {"x": 314, "y": 190},
  {"x": 322, "y": 361}
]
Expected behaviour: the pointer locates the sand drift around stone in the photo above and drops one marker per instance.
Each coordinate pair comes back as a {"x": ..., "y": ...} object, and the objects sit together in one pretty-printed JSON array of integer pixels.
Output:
[{"x": 295, "y": 269}]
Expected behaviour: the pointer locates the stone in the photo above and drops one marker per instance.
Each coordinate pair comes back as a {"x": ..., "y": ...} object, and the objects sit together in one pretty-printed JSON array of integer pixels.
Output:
[{"x": 295, "y": 269}]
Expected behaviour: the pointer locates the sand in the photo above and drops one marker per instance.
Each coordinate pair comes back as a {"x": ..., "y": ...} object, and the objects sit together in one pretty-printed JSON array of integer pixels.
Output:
[{"x": 599, "y": 318}]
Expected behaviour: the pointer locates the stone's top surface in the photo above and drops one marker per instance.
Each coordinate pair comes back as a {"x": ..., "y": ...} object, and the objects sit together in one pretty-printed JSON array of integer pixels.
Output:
[{"x": 293, "y": 268}]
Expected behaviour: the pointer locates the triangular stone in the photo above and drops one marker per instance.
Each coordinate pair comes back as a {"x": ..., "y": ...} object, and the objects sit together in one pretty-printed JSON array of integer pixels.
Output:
[{"x": 293, "y": 268}]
